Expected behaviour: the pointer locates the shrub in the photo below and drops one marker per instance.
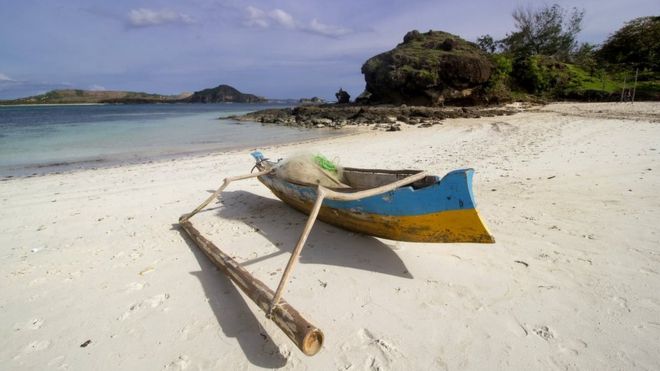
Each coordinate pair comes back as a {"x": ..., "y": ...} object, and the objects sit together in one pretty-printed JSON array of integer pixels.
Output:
[
  {"x": 546, "y": 76},
  {"x": 498, "y": 86}
]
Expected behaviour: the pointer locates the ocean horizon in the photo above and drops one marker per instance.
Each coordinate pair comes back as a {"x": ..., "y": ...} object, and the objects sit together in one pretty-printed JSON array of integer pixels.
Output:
[{"x": 39, "y": 139}]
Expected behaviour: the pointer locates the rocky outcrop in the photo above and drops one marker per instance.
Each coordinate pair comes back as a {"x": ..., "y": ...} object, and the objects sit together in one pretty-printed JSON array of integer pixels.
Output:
[
  {"x": 313, "y": 100},
  {"x": 428, "y": 69},
  {"x": 223, "y": 93},
  {"x": 390, "y": 118}
]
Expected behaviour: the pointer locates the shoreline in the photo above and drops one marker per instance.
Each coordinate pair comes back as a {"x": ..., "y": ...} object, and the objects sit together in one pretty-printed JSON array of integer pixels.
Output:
[
  {"x": 266, "y": 117},
  {"x": 102, "y": 163},
  {"x": 97, "y": 275}
]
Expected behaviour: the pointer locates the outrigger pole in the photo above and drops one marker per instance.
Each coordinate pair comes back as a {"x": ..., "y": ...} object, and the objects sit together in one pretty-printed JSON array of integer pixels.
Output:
[{"x": 307, "y": 337}]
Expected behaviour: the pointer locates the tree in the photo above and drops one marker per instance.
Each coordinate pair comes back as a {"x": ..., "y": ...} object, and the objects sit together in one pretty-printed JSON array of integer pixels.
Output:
[
  {"x": 636, "y": 44},
  {"x": 585, "y": 56},
  {"x": 487, "y": 43},
  {"x": 549, "y": 30},
  {"x": 342, "y": 96}
]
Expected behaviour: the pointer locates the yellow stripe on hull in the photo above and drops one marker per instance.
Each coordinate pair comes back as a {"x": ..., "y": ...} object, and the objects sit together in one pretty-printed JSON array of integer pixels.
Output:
[{"x": 463, "y": 225}]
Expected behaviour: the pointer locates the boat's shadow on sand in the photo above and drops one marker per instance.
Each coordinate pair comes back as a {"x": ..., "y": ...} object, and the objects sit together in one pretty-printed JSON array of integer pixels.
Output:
[
  {"x": 282, "y": 226},
  {"x": 236, "y": 319},
  {"x": 326, "y": 245}
]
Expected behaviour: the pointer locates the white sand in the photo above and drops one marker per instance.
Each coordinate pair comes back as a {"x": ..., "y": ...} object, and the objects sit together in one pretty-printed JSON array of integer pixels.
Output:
[{"x": 573, "y": 281}]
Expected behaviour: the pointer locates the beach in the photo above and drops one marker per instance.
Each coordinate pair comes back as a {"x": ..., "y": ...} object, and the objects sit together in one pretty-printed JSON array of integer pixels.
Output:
[{"x": 96, "y": 274}]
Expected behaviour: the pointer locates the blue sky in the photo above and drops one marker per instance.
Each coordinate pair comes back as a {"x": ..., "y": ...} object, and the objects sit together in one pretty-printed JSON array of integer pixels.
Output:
[{"x": 277, "y": 49}]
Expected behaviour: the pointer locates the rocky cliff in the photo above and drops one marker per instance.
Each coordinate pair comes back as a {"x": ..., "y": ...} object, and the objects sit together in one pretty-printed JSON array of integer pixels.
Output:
[{"x": 427, "y": 69}]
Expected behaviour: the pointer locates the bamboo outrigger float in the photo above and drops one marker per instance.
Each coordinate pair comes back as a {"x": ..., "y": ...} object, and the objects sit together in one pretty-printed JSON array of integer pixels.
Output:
[{"x": 406, "y": 205}]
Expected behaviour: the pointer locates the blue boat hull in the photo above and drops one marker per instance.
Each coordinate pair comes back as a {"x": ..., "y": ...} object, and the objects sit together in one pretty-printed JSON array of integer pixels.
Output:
[{"x": 443, "y": 211}]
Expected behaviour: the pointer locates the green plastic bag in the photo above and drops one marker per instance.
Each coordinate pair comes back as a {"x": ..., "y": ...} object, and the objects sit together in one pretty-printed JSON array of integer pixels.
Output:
[{"x": 325, "y": 164}]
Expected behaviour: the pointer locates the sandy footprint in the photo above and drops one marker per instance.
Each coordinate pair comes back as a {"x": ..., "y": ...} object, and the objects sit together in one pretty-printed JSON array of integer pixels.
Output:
[
  {"x": 572, "y": 346},
  {"x": 371, "y": 363},
  {"x": 544, "y": 332},
  {"x": 58, "y": 362},
  {"x": 136, "y": 286},
  {"x": 194, "y": 329},
  {"x": 152, "y": 303},
  {"x": 33, "y": 324},
  {"x": 157, "y": 300},
  {"x": 181, "y": 363},
  {"x": 35, "y": 346},
  {"x": 622, "y": 302},
  {"x": 381, "y": 352}
]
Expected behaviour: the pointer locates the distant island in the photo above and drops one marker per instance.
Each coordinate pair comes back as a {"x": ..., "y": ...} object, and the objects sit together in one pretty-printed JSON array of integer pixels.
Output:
[
  {"x": 223, "y": 93},
  {"x": 220, "y": 94}
]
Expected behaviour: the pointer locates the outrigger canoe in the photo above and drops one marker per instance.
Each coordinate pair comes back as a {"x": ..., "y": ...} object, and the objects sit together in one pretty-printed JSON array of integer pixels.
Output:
[
  {"x": 404, "y": 205},
  {"x": 431, "y": 209}
]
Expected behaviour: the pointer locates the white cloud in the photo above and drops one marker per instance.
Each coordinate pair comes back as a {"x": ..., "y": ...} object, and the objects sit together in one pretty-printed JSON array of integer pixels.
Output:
[
  {"x": 96, "y": 87},
  {"x": 326, "y": 30},
  {"x": 4, "y": 77},
  {"x": 256, "y": 17},
  {"x": 148, "y": 17},
  {"x": 283, "y": 18}
]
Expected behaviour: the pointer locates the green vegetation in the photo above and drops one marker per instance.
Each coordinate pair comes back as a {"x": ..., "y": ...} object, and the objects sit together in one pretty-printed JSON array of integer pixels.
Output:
[
  {"x": 549, "y": 30},
  {"x": 77, "y": 96},
  {"x": 500, "y": 80},
  {"x": 635, "y": 44},
  {"x": 586, "y": 81},
  {"x": 222, "y": 93},
  {"x": 541, "y": 58}
]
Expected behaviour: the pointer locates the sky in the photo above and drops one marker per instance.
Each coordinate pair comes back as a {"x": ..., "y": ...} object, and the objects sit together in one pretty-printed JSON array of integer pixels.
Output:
[{"x": 276, "y": 49}]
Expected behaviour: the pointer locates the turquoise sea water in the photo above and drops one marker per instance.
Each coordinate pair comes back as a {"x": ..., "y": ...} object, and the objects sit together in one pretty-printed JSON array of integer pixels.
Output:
[{"x": 41, "y": 139}]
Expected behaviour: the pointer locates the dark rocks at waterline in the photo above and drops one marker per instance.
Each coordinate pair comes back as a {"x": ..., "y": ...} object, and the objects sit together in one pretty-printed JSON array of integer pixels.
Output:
[{"x": 389, "y": 118}]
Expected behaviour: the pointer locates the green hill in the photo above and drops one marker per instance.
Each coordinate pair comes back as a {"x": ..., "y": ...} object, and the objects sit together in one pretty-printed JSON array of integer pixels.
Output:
[
  {"x": 77, "y": 96},
  {"x": 223, "y": 93}
]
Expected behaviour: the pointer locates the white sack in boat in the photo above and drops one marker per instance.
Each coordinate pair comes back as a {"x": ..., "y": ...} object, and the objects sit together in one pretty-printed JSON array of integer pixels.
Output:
[{"x": 307, "y": 168}]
